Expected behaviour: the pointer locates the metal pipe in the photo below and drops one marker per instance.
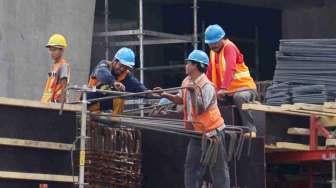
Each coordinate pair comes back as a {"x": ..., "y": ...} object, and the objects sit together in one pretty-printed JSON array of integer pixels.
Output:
[
  {"x": 141, "y": 47},
  {"x": 257, "y": 53},
  {"x": 135, "y": 94},
  {"x": 195, "y": 24},
  {"x": 106, "y": 29},
  {"x": 333, "y": 173},
  {"x": 82, "y": 141}
]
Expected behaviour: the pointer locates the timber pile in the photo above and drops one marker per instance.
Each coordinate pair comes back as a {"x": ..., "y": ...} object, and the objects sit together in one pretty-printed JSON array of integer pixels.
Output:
[
  {"x": 325, "y": 112},
  {"x": 307, "y": 62}
]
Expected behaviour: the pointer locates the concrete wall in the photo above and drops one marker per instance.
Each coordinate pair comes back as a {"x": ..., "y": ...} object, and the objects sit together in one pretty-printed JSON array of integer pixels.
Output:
[
  {"x": 316, "y": 22},
  {"x": 25, "y": 27}
]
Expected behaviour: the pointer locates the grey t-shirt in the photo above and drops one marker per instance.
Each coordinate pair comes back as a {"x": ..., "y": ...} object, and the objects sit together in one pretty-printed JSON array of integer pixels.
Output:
[{"x": 64, "y": 71}]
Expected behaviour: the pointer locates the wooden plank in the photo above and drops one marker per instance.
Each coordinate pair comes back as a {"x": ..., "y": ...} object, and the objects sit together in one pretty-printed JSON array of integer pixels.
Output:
[
  {"x": 313, "y": 107},
  {"x": 35, "y": 144},
  {"x": 272, "y": 109},
  {"x": 286, "y": 146},
  {"x": 37, "y": 176},
  {"x": 37, "y": 104},
  {"x": 292, "y": 146},
  {"x": 330, "y": 105},
  {"x": 297, "y": 109},
  {"x": 298, "y": 131},
  {"x": 328, "y": 121}
]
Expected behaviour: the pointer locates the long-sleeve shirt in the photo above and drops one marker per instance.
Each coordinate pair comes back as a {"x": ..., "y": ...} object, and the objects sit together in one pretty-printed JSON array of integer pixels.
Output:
[
  {"x": 131, "y": 83},
  {"x": 232, "y": 56}
]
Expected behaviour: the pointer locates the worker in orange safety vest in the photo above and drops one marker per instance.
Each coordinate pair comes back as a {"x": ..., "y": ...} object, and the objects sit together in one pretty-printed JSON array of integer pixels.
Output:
[
  {"x": 201, "y": 114},
  {"x": 228, "y": 71},
  {"x": 59, "y": 76}
]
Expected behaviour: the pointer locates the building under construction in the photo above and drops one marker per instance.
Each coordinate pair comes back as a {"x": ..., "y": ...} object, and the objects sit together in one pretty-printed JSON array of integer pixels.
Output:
[{"x": 288, "y": 46}]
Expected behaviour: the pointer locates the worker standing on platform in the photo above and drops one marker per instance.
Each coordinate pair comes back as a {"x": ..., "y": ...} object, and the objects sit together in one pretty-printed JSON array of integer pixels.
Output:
[
  {"x": 59, "y": 76},
  {"x": 201, "y": 114},
  {"x": 116, "y": 75},
  {"x": 227, "y": 70}
]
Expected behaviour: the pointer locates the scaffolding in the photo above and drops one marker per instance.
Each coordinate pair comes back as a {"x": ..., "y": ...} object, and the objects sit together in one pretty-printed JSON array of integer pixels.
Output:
[{"x": 157, "y": 38}]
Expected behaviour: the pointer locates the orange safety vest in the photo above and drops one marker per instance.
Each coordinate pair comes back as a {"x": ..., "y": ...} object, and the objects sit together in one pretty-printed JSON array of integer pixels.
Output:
[
  {"x": 208, "y": 120},
  {"x": 242, "y": 79},
  {"x": 53, "y": 88},
  {"x": 118, "y": 103}
]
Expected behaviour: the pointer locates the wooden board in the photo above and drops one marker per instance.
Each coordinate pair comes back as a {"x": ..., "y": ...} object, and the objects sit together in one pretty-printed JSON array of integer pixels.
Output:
[
  {"x": 287, "y": 146},
  {"x": 296, "y": 109},
  {"x": 35, "y": 144},
  {"x": 298, "y": 131},
  {"x": 36, "y": 176},
  {"x": 37, "y": 104}
]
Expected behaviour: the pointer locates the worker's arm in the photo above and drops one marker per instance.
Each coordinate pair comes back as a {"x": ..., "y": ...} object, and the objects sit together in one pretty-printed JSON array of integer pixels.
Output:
[
  {"x": 230, "y": 55},
  {"x": 132, "y": 84},
  {"x": 63, "y": 76},
  {"x": 207, "y": 98},
  {"x": 61, "y": 95},
  {"x": 209, "y": 71},
  {"x": 177, "y": 99}
]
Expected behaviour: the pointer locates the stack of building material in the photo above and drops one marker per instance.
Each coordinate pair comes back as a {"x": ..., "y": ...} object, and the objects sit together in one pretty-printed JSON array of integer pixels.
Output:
[
  {"x": 288, "y": 93},
  {"x": 308, "y": 62},
  {"x": 278, "y": 94},
  {"x": 314, "y": 94}
]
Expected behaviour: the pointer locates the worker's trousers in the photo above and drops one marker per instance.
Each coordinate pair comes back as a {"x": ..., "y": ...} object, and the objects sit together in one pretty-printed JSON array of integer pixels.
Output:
[
  {"x": 193, "y": 177},
  {"x": 241, "y": 97}
]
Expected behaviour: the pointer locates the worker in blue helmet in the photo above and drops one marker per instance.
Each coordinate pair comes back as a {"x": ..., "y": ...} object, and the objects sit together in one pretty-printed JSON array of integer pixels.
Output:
[
  {"x": 231, "y": 76},
  {"x": 201, "y": 114},
  {"x": 116, "y": 75}
]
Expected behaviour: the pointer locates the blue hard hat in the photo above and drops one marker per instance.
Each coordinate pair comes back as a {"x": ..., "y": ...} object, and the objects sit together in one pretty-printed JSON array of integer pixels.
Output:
[
  {"x": 213, "y": 34},
  {"x": 125, "y": 56},
  {"x": 198, "y": 56}
]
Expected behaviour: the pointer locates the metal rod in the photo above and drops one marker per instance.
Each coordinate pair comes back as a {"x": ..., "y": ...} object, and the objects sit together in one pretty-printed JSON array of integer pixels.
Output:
[
  {"x": 257, "y": 53},
  {"x": 106, "y": 29},
  {"x": 153, "y": 128},
  {"x": 94, "y": 90},
  {"x": 134, "y": 94},
  {"x": 333, "y": 173},
  {"x": 195, "y": 38},
  {"x": 82, "y": 141},
  {"x": 141, "y": 48}
]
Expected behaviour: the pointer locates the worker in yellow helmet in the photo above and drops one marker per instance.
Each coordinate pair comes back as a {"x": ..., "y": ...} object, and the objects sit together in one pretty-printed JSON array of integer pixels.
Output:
[{"x": 59, "y": 76}]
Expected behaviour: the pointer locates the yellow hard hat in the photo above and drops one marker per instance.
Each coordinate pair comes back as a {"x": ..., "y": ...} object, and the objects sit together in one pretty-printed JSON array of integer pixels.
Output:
[{"x": 57, "y": 40}]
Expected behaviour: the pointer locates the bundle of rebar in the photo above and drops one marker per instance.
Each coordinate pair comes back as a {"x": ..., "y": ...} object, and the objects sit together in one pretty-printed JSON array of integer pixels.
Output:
[{"x": 113, "y": 157}]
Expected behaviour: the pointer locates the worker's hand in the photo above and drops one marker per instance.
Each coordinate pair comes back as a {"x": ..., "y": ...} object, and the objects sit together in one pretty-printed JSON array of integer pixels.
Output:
[
  {"x": 191, "y": 87},
  {"x": 119, "y": 86},
  {"x": 158, "y": 91},
  {"x": 221, "y": 94}
]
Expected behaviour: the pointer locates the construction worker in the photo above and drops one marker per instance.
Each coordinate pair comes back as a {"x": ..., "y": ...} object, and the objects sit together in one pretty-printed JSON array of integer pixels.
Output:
[
  {"x": 59, "y": 76},
  {"x": 115, "y": 74},
  {"x": 229, "y": 73},
  {"x": 201, "y": 114}
]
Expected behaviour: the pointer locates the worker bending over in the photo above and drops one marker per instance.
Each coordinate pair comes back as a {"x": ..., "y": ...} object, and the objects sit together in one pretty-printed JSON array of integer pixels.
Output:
[
  {"x": 59, "y": 76},
  {"x": 201, "y": 114},
  {"x": 229, "y": 73},
  {"x": 116, "y": 75}
]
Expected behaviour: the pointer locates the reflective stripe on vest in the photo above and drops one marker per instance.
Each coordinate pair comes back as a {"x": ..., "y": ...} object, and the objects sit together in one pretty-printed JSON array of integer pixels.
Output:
[
  {"x": 52, "y": 90},
  {"x": 241, "y": 78}
]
